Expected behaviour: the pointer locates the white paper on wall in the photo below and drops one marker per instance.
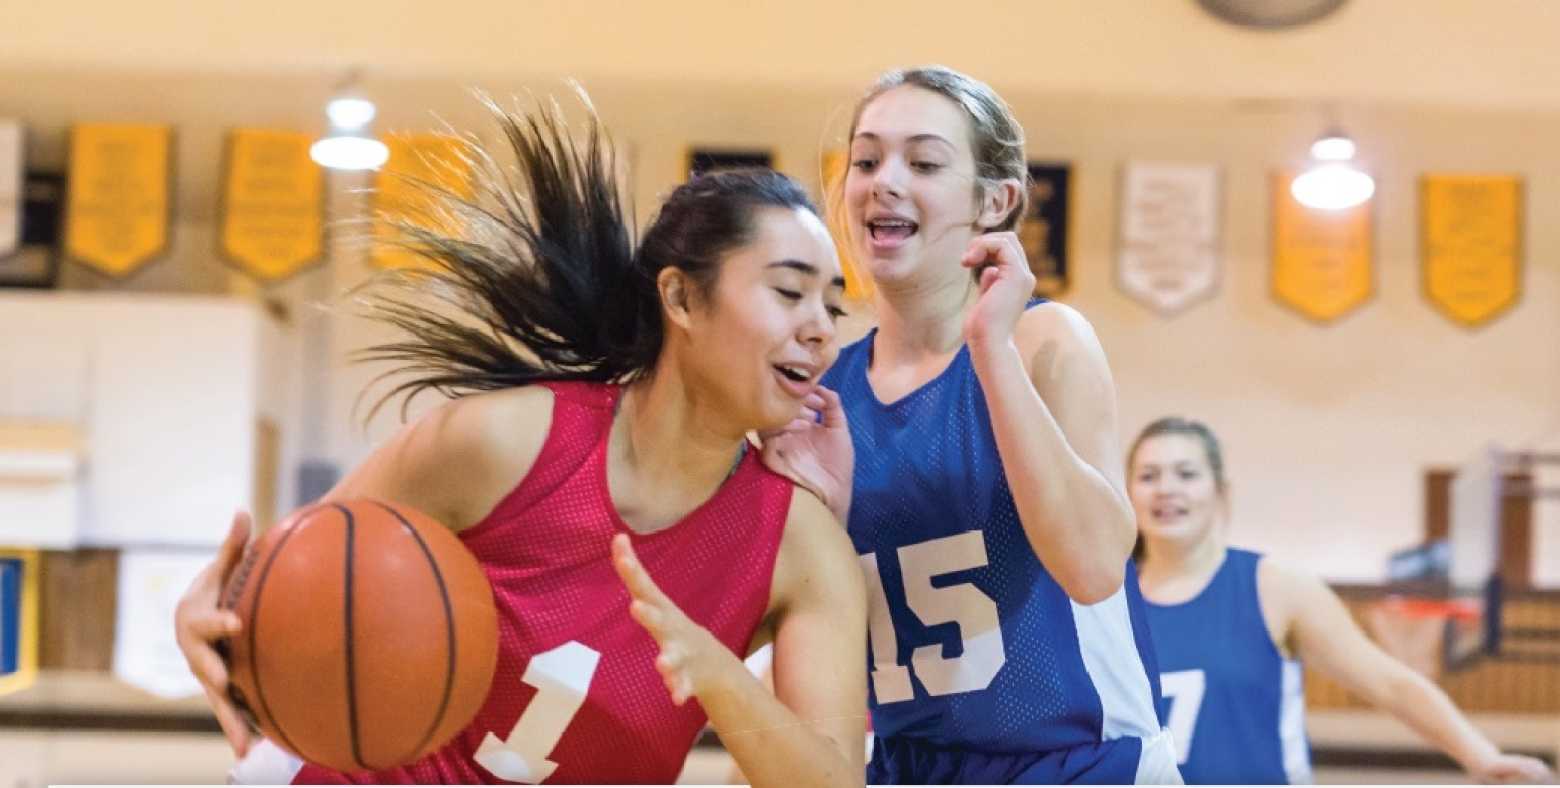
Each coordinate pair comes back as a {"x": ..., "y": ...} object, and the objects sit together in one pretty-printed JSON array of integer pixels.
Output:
[{"x": 146, "y": 654}]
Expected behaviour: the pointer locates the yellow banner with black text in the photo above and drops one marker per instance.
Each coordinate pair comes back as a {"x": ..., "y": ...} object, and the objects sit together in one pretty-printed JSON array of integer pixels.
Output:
[
  {"x": 1471, "y": 244},
  {"x": 402, "y": 196},
  {"x": 120, "y": 195},
  {"x": 273, "y": 203},
  {"x": 1322, "y": 259}
]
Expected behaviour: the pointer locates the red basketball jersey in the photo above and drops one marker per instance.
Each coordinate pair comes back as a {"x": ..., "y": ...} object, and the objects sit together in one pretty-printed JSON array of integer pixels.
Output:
[{"x": 576, "y": 697}]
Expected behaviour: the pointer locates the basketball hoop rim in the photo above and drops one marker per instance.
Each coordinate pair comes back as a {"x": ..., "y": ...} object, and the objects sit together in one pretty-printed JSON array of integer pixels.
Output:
[{"x": 1461, "y": 610}]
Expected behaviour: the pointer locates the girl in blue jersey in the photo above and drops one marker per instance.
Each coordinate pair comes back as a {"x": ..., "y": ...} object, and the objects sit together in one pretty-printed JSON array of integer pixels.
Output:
[
  {"x": 1230, "y": 628},
  {"x": 1008, "y": 643}
]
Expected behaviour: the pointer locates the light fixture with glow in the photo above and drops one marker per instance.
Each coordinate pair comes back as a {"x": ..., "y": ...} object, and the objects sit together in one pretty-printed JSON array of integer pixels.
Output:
[
  {"x": 1332, "y": 182},
  {"x": 349, "y": 146},
  {"x": 350, "y": 112}
]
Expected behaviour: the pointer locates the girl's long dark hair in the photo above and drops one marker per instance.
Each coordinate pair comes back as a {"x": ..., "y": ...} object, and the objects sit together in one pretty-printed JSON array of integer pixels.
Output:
[{"x": 543, "y": 272}]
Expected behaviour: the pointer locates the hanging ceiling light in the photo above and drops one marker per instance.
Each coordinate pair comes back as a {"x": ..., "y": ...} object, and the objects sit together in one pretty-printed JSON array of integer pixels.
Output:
[
  {"x": 1332, "y": 182},
  {"x": 349, "y": 145}
]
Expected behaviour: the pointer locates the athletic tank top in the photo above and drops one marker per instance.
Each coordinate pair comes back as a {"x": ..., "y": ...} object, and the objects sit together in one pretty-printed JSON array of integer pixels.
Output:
[
  {"x": 973, "y": 644},
  {"x": 576, "y": 697},
  {"x": 1234, "y": 704}
]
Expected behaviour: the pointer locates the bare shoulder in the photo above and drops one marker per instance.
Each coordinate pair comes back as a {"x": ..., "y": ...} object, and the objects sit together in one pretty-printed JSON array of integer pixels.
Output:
[
  {"x": 816, "y": 560},
  {"x": 1054, "y": 314},
  {"x": 1285, "y": 581},
  {"x": 810, "y": 515},
  {"x": 457, "y": 461},
  {"x": 810, "y": 528},
  {"x": 506, "y": 427},
  {"x": 511, "y": 423},
  {"x": 1068, "y": 368},
  {"x": 501, "y": 433},
  {"x": 1052, "y": 322},
  {"x": 1285, "y": 592}
]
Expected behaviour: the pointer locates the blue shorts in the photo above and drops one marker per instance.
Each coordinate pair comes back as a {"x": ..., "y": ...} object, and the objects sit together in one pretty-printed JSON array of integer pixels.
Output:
[{"x": 1121, "y": 761}]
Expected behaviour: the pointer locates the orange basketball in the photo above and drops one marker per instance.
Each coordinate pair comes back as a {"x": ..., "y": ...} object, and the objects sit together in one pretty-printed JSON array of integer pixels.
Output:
[{"x": 369, "y": 634}]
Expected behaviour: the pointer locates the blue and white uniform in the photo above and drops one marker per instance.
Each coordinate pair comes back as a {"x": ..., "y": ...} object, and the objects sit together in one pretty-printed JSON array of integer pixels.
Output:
[
  {"x": 1233, "y": 702},
  {"x": 982, "y": 668}
]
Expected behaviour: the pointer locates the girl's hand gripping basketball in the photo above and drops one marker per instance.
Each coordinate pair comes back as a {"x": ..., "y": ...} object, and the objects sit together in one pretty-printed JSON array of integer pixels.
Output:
[
  {"x": 1006, "y": 285},
  {"x": 815, "y": 451},
  {"x": 690, "y": 656},
  {"x": 199, "y": 625}
]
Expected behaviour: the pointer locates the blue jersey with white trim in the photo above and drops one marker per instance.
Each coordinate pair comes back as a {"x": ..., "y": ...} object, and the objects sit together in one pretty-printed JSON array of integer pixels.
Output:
[
  {"x": 973, "y": 643},
  {"x": 1234, "y": 704}
]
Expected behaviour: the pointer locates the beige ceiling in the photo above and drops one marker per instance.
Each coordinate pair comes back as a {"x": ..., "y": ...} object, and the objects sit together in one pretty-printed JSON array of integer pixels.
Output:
[
  {"x": 749, "y": 69},
  {"x": 1465, "y": 52}
]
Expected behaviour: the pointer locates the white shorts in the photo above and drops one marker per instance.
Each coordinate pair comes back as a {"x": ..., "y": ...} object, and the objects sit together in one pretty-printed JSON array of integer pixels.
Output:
[{"x": 1156, "y": 765}]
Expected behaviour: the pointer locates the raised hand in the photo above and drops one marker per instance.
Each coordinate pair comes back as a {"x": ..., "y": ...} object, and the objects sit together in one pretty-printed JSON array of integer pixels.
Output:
[
  {"x": 1006, "y": 285},
  {"x": 815, "y": 451},
  {"x": 690, "y": 656}
]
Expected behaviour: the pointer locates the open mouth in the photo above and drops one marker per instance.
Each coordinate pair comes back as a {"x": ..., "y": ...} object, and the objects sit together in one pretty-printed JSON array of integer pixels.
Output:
[
  {"x": 891, "y": 230},
  {"x": 796, "y": 380},
  {"x": 794, "y": 373}
]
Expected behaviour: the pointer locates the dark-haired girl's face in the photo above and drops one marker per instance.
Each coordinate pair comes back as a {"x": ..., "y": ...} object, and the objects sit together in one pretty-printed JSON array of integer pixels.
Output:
[
  {"x": 765, "y": 333},
  {"x": 1173, "y": 489},
  {"x": 911, "y": 201}
]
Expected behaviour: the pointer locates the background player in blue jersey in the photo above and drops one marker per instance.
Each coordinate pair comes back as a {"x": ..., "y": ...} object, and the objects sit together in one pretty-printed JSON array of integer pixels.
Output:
[
  {"x": 1230, "y": 628},
  {"x": 986, "y": 499}
]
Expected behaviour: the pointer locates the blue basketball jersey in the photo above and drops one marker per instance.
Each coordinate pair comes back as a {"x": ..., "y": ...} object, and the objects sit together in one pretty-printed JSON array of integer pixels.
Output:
[
  {"x": 1233, "y": 703},
  {"x": 974, "y": 646}
]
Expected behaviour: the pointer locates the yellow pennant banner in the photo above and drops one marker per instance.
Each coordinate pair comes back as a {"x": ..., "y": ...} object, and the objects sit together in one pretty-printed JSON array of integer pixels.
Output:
[
  {"x": 836, "y": 163},
  {"x": 1471, "y": 251},
  {"x": 273, "y": 203},
  {"x": 1322, "y": 266},
  {"x": 19, "y": 591},
  {"x": 117, "y": 212},
  {"x": 400, "y": 194}
]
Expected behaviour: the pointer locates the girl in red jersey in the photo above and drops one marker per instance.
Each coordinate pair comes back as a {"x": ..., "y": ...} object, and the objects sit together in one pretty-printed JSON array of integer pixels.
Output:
[{"x": 636, "y": 547}]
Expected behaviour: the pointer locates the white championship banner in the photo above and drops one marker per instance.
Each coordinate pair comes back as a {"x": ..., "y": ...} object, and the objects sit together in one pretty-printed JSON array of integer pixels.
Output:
[{"x": 1169, "y": 257}]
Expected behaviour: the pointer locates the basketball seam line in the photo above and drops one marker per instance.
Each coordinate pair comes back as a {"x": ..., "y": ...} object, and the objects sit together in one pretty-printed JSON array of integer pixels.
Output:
[
  {"x": 352, "y": 709},
  {"x": 449, "y": 628},
  {"x": 254, "y": 619}
]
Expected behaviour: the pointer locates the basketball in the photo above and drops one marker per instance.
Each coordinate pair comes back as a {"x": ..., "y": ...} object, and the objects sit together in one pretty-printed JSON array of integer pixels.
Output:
[{"x": 369, "y": 634}]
